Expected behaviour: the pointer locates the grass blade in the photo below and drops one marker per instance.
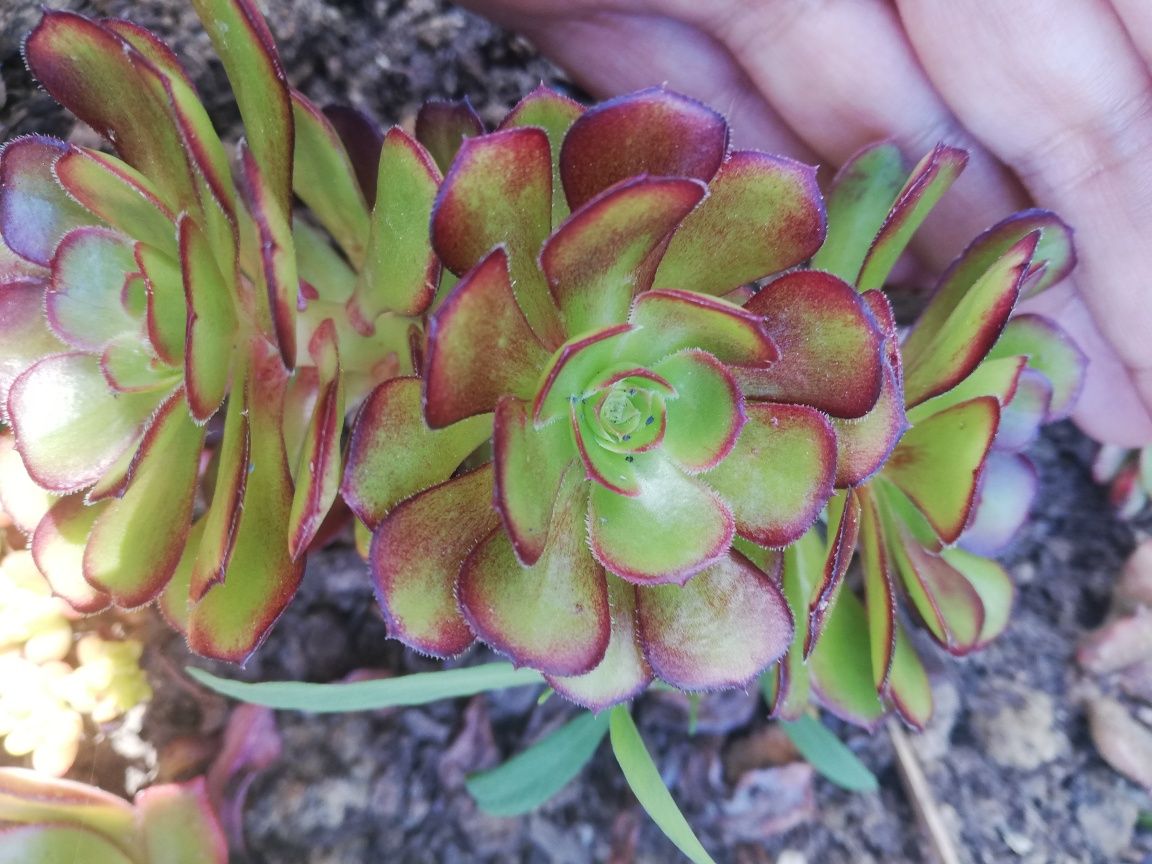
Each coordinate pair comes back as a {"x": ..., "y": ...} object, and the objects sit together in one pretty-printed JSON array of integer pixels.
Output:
[
  {"x": 418, "y": 689},
  {"x": 647, "y": 784},
  {"x": 530, "y": 778},
  {"x": 829, "y": 755}
]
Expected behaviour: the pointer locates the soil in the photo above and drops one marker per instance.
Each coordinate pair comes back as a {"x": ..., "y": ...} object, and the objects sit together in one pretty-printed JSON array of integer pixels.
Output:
[{"x": 1008, "y": 754}]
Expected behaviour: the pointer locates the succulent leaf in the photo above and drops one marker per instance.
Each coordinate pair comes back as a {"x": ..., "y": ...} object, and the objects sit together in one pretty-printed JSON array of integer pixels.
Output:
[
  {"x": 844, "y": 513},
  {"x": 860, "y": 197},
  {"x": 24, "y": 333},
  {"x": 212, "y": 323},
  {"x": 400, "y": 272},
  {"x": 840, "y": 670},
  {"x": 863, "y": 446},
  {"x": 603, "y": 255},
  {"x": 779, "y": 476},
  {"x": 938, "y": 462},
  {"x": 997, "y": 377},
  {"x": 669, "y": 321},
  {"x": 929, "y": 180},
  {"x": 393, "y": 454},
  {"x": 552, "y": 616},
  {"x": 82, "y": 303},
  {"x": 787, "y": 688},
  {"x": 418, "y": 550},
  {"x": 674, "y": 528},
  {"x": 480, "y": 346},
  {"x": 829, "y": 345},
  {"x": 137, "y": 541},
  {"x": 652, "y": 131},
  {"x": 908, "y": 686},
  {"x": 179, "y": 825},
  {"x": 624, "y": 672},
  {"x": 1024, "y": 414},
  {"x": 554, "y": 113},
  {"x": 994, "y": 586},
  {"x": 58, "y": 550},
  {"x": 763, "y": 214},
  {"x": 166, "y": 316},
  {"x": 52, "y": 842},
  {"x": 575, "y": 369},
  {"x": 442, "y": 126},
  {"x": 1051, "y": 352},
  {"x": 705, "y": 419},
  {"x": 720, "y": 629},
  {"x": 1007, "y": 488},
  {"x": 35, "y": 212},
  {"x": 879, "y": 593},
  {"x": 70, "y": 427}
]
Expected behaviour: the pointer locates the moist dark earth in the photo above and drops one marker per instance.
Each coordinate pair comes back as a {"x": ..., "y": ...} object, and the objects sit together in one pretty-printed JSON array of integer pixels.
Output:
[{"x": 1008, "y": 755}]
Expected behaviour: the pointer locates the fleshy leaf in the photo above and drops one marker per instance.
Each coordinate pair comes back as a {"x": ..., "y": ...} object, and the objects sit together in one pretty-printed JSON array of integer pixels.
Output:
[
  {"x": 653, "y": 131},
  {"x": 996, "y": 377},
  {"x": 320, "y": 465},
  {"x": 49, "y": 843},
  {"x": 31, "y": 797},
  {"x": 1022, "y": 417},
  {"x": 1050, "y": 351},
  {"x": 947, "y": 603},
  {"x": 277, "y": 255},
  {"x": 35, "y": 212},
  {"x": 673, "y": 529},
  {"x": 21, "y": 500},
  {"x": 707, "y": 415},
  {"x": 779, "y": 476},
  {"x": 323, "y": 177},
  {"x": 908, "y": 686},
  {"x": 864, "y": 445},
  {"x": 843, "y": 533},
  {"x": 442, "y": 126},
  {"x": 938, "y": 355},
  {"x": 603, "y": 255},
  {"x": 165, "y": 311},
  {"x": 362, "y": 138},
  {"x": 1053, "y": 253},
  {"x": 83, "y": 301},
  {"x": 393, "y": 454},
  {"x": 786, "y": 686},
  {"x": 624, "y": 672},
  {"x": 552, "y": 616},
  {"x": 69, "y": 426},
  {"x": 648, "y": 786},
  {"x": 211, "y": 324},
  {"x": 841, "y": 672},
  {"x": 720, "y": 629},
  {"x": 174, "y": 601},
  {"x": 218, "y": 526},
  {"x": 136, "y": 542},
  {"x": 1007, "y": 489},
  {"x": 416, "y": 555},
  {"x": 530, "y": 463},
  {"x": 992, "y": 582},
  {"x": 234, "y": 617},
  {"x": 499, "y": 191},
  {"x": 929, "y": 180},
  {"x": 530, "y": 778},
  {"x": 58, "y": 549},
  {"x": 879, "y": 593},
  {"x": 245, "y": 46},
  {"x": 118, "y": 194},
  {"x": 179, "y": 825},
  {"x": 480, "y": 346},
  {"x": 763, "y": 214},
  {"x": 938, "y": 462},
  {"x": 400, "y": 272},
  {"x": 862, "y": 193},
  {"x": 614, "y": 471},
  {"x": 554, "y": 113},
  {"x": 130, "y": 367},
  {"x": 24, "y": 334},
  {"x": 829, "y": 345},
  {"x": 669, "y": 321}
]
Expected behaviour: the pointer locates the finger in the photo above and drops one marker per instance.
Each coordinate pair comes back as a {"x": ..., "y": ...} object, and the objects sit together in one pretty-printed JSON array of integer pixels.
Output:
[
  {"x": 609, "y": 53},
  {"x": 841, "y": 74},
  {"x": 1109, "y": 408},
  {"x": 1072, "y": 115},
  {"x": 1137, "y": 18}
]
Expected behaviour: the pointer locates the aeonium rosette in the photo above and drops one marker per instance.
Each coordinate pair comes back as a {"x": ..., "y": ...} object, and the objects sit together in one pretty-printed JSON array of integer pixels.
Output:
[{"x": 600, "y": 444}]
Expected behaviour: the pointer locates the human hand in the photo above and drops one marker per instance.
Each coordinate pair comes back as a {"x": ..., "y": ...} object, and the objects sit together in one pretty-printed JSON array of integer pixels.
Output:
[{"x": 1055, "y": 107}]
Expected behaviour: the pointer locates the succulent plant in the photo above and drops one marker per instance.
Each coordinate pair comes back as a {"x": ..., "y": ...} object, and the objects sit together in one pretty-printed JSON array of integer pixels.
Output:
[
  {"x": 47, "y": 820},
  {"x": 602, "y": 440},
  {"x": 932, "y": 481},
  {"x": 177, "y": 358},
  {"x": 1127, "y": 473}
]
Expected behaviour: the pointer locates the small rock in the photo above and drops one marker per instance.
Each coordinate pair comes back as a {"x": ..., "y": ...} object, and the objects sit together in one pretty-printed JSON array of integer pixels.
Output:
[
  {"x": 1117, "y": 644},
  {"x": 1109, "y": 825},
  {"x": 769, "y": 801},
  {"x": 1023, "y": 735},
  {"x": 1019, "y": 843},
  {"x": 791, "y": 856},
  {"x": 763, "y": 748},
  {"x": 1122, "y": 741}
]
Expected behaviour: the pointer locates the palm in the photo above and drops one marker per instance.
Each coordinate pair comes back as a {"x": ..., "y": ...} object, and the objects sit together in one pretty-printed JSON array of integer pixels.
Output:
[{"x": 1056, "y": 110}]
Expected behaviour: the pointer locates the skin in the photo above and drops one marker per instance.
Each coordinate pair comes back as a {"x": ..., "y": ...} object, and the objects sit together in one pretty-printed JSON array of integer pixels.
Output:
[{"x": 1055, "y": 106}]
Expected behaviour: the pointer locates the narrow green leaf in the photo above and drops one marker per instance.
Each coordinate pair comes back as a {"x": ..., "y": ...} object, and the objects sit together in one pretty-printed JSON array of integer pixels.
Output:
[
  {"x": 645, "y": 781},
  {"x": 530, "y": 778},
  {"x": 418, "y": 689},
  {"x": 829, "y": 755}
]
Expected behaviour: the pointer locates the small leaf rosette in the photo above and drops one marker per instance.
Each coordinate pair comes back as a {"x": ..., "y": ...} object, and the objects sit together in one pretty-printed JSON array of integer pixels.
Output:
[
  {"x": 602, "y": 449},
  {"x": 932, "y": 481}
]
